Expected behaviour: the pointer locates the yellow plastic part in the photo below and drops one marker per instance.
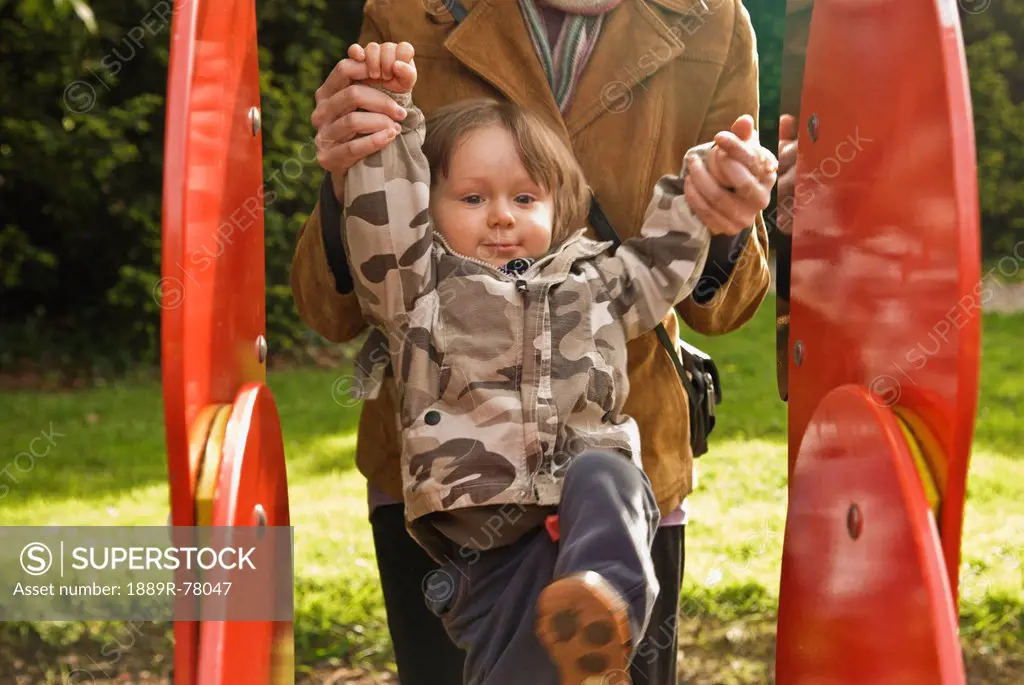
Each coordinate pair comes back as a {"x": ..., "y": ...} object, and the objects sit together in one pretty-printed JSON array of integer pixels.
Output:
[
  {"x": 937, "y": 462},
  {"x": 282, "y": 669},
  {"x": 209, "y": 468},
  {"x": 924, "y": 456},
  {"x": 198, "y": 434}
]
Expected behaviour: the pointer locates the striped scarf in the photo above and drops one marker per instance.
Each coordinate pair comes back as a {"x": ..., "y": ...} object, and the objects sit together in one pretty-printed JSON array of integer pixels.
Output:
[{"x": 563, "y": 63}]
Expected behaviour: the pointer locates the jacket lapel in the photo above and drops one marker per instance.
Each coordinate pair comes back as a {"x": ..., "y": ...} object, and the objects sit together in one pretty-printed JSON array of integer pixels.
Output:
[
  {"x": 635, "y": 44},
  {"x": 494, "y": 42}
]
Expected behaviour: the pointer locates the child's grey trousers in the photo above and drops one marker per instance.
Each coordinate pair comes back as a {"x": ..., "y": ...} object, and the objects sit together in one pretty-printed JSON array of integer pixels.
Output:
[{"x": 486, "y": 599}]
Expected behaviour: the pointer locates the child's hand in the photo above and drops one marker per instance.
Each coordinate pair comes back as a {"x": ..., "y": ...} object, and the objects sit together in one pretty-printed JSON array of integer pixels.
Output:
[
  {"x": 736, "y": 184},
  {"x": 389, "y": 65},
  {"x": 738, "y": 151}
]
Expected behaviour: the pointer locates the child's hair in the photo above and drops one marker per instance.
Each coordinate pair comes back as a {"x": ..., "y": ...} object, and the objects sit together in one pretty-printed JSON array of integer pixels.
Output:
[{"x": 548, "y": 160}]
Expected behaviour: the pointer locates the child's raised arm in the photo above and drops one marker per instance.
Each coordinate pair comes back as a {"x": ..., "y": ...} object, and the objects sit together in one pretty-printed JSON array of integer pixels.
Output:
[
  {"x": 387, "y": 233},
  {"x": 648, "y": 275}
]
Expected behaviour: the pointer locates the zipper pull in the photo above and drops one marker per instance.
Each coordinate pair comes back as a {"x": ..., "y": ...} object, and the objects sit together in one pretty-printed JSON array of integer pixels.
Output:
[{"x": 521, "y": 285}]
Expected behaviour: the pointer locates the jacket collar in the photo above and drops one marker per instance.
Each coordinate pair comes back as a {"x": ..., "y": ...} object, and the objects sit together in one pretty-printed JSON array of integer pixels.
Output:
[
  {"x": 494, "y": 42},
  {"x": 635, "y": 44},
  {"x": 553, "y": 266}
]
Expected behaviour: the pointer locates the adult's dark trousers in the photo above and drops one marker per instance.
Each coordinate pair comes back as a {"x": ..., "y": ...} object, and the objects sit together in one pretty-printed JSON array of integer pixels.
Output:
[{"x": 426, "y": 656}]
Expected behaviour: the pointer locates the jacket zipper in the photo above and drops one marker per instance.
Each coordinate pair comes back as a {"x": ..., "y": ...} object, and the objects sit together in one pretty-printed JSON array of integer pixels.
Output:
[
  {"x": 496, "y": 270},
  {"x": 521, "y": 287},
  {"x": 521, "y": 284}
]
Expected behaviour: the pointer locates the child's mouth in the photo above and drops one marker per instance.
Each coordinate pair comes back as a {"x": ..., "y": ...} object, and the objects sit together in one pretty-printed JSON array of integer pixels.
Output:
[{"x": 501, "y": 248}]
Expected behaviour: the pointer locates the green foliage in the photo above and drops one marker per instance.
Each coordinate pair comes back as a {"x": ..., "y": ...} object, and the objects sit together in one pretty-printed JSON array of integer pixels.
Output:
[
  {"x": 769, "y": 21},
  {"x": 81, "y": 168},
  {"x": 994, "y": 40}
]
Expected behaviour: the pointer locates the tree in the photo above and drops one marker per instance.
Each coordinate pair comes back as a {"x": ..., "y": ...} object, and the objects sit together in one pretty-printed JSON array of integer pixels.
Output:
[
  {"x": 81, "y": 166},
  {"x": 994, "y": 37}
]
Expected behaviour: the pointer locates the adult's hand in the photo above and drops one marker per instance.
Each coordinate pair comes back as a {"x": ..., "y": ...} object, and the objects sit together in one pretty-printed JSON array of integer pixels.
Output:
[
  {"x": 349, "y": 110},
  {"x": 787, "y": 173},
  {"x": 735, "y": 185}
]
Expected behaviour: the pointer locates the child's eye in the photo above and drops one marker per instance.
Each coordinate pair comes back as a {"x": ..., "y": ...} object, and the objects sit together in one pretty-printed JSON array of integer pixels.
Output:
[
  {"x": 473, "y": 199},
  {"x": 524, "y": 199}
]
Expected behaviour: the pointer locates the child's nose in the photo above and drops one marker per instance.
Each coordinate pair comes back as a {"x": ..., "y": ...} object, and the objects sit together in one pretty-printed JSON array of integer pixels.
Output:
[{"x": 501, "y": 215}]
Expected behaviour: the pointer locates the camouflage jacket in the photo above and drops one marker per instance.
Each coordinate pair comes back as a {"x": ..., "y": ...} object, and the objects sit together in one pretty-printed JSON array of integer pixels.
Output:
[{"x": 501, "y": 379}]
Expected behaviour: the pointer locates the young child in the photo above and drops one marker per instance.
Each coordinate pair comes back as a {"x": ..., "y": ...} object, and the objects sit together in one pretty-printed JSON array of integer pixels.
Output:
[{"x": 506, "y": 330}]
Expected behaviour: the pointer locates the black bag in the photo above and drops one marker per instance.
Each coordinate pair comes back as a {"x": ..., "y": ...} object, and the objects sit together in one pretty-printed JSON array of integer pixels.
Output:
[{"x": 696, "y": 368}]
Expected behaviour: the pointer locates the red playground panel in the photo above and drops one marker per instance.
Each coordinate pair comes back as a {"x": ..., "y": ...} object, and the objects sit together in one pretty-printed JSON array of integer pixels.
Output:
[
  {"x": 883, "y": 347},
  {"x": 886, "y": 258},
  {"x": 252, "y": 490},
  {"x": 863, "y": 571},
  {"x": 224, "y": 451}
]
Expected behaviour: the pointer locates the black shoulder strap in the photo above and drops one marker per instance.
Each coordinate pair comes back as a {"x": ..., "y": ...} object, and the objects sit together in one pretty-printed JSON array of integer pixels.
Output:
[
  {"x": 605, "y": 231},
  {"x": 601, "y": 225},
  {"x": 457, "y": 9}
]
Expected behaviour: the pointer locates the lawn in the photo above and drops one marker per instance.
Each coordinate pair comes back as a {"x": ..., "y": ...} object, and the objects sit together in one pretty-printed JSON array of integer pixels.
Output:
[{"x": 106, "y": 467}]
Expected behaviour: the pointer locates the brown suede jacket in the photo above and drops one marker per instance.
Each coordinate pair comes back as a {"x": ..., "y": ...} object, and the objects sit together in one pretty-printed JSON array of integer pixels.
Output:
[{"x": 666, "y": 75}]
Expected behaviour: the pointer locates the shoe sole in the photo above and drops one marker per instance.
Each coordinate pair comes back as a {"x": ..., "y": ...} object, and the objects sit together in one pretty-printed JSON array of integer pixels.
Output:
[{"x": 583, "y": 623}]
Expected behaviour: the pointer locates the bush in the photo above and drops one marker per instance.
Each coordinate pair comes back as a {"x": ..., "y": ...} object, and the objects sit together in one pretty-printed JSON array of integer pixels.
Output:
[
  {"x": 81, "y": 167},
  {"x": 994, "y": 38}
]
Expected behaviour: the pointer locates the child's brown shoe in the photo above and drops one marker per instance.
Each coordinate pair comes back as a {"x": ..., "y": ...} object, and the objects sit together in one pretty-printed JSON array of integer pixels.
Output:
[{"x": 583, "y": 622}]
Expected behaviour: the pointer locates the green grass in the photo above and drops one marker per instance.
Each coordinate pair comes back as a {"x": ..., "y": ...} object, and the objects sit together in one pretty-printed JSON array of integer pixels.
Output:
[
  {"x": 1006, "y": 267},
  {"x": 107, "y": 468}
]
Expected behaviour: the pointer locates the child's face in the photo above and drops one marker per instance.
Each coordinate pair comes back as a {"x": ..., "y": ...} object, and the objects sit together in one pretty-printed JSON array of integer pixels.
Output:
[{"x": 487, "y": 207}]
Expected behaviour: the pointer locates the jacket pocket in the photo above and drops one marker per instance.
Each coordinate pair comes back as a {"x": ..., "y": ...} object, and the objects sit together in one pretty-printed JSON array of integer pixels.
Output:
[{"x": 419, "y": 361}]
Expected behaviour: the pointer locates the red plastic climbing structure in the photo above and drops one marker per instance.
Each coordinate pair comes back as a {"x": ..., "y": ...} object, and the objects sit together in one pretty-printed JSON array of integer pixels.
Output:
[
  {"x": 882, "y": 350},
  {"x": 225, "y": 454},
  {"x": 878, "y": 345}
]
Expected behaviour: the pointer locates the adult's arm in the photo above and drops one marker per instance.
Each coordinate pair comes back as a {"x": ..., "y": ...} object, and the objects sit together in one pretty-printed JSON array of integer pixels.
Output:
[
  {"x": 321, "y": 281},
  {"x": 735, "y": 278}
]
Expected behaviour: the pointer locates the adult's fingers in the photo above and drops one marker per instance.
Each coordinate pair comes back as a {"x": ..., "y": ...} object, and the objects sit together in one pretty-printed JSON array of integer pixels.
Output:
[
  {"x": 746, "y": 185},
  {"x": 340, "y": 158},
  {"x": 734, "y": 207},
  {"x": 342, "y": 75},
  {"x": 356, "y": 96},
  {"x": 744, "y": 127},
  {"x": 787, "y": 156},
  {"x": 787, "y": 127},
  {"x": 353, "y": 124},
  {"x": 704, "y": 209}
]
